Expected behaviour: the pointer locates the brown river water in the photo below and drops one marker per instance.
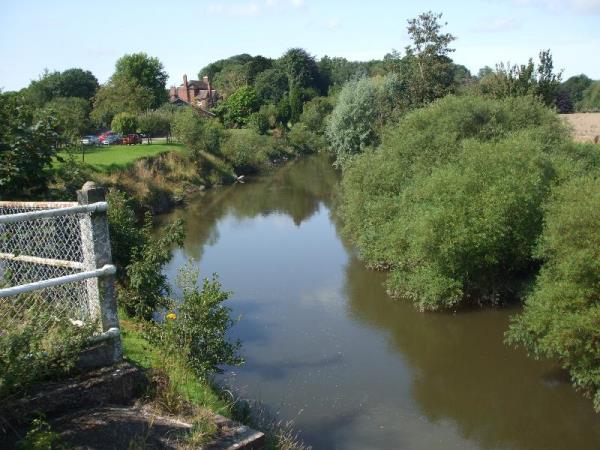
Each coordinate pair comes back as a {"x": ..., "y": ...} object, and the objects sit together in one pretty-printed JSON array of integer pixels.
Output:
[{"x": 326, "y": 348}]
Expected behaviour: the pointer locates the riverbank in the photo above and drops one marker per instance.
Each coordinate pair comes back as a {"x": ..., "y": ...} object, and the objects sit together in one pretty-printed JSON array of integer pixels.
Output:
[
  {"x": 161, "y": 176},
  {"x": 177, "y": 390}
]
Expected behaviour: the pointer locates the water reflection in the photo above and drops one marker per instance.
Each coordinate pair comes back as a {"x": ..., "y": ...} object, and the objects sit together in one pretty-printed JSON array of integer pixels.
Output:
[{"x": 325, "y": 346}]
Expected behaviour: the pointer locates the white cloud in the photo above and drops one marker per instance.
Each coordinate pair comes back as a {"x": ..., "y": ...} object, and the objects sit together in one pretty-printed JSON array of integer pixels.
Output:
[
  {"x": 497, "y": 25},
  {"x": 298, "y": 3}
]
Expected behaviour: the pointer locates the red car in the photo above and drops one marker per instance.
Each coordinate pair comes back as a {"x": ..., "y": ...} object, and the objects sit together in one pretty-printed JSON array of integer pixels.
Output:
[
  {"x": 105, "y": 135},
  {"x": 132, "y": 139}
]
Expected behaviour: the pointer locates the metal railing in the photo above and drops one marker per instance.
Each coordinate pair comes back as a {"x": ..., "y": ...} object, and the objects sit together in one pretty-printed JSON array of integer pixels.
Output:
[{"x": 55, "y": 259}]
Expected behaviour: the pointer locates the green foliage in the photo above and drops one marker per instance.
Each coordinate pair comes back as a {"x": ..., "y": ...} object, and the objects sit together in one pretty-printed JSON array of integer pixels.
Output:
[
  {"x": 526, "y": 79},
  {"x": 140, "y": 257},
  {"x": 300, "y": 67},
  {"x": 561, "y": 318},
  {"x": 72, "y": 117},
  {"x": 271, "y": 85},
  {"x": 228, "y": 75},
  {"x": 37, "y": 346},
  {"x": 315, "y": 113},
  {"x": 201, "y": 135},
  {"x": 451, "y": 201},
  {"x": 155, "y": 123},
  {"x": 41, "y": 437},
  {"x": 337, "y": 71},
  {"x": 124, "y": 123},
  {"x": 27, "y": 146},
  {"x": 364, "y": 106},
  {"x": 590, "y": 101},
  {"x": 120, "y": 95},
  {"x": 248, "y": 152},
  {"x": 70, "y": 83},
  {"x": 236, "y": 110},
  {"x": 575, "y": 86},
  {"x": 259, "y": 122},
  {"x": 198, "y": 329},
  {"x": 145, "y": 71},
  {"x": 303, "y": 141}
]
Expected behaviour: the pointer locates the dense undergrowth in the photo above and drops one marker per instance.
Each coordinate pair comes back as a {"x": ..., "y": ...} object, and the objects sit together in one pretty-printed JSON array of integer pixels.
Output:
[{"x": 465, "y": 200}]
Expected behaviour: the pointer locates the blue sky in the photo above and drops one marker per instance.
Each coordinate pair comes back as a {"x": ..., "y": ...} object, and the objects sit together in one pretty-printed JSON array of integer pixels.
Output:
[{"x": 187, "y": 35}]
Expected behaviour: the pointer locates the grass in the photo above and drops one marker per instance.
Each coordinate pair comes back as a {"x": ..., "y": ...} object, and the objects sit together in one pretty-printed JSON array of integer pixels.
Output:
[
  {"x": 182, "y": 380},
  {"x": 109, "y": 158}
]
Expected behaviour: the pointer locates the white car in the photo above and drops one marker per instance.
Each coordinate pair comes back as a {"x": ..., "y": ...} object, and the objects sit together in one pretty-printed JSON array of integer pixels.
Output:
[{"x": 90, "y": 140}]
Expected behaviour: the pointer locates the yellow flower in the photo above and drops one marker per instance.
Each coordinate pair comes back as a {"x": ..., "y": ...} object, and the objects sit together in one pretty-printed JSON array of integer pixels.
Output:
[{"x": 171, "y": 316}]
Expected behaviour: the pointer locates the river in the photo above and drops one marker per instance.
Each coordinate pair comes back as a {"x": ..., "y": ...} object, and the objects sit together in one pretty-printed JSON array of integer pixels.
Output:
[{"x": 327, "y": 348}]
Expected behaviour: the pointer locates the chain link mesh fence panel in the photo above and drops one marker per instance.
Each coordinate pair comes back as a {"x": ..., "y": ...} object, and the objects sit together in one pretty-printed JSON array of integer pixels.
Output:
[{"x": 42, "y": 249}]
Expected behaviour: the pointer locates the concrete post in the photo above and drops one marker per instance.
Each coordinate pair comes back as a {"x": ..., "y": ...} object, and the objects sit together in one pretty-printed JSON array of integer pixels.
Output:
[{"x": 96, "y": 253}]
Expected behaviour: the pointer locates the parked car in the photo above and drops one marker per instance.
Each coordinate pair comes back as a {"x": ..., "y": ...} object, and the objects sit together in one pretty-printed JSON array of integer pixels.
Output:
[
  {"x": 90, "y": 140},
  {"x": 132, "y": 139},
  {"x": 112, "y": 139},
  {"x": 105, "y": 135}
]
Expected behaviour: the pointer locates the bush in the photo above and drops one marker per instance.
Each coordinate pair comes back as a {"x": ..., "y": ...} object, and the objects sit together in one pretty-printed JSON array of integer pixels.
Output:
[
  {"x": 303, "y": 141},
  {"x": 561, "y": 318},
  {"x": 198, "y": 328},
  {"x": 140, "y": 257},
  {"x": 124, "y": 123},
  {"x": 248, "y": 152},
  {"x": 590, "y": 101},
  {"x": 363, "y": 108},
  {"x": 38, "y": 346},
  {"x": 451, "y": 199},
  {"x": 315, "y": 114}
]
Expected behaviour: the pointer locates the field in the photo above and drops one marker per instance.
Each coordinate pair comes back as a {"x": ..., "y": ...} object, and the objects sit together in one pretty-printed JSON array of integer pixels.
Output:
[
  {"x": 586, "y": 126},
  {"x": 107, "y": 158}
]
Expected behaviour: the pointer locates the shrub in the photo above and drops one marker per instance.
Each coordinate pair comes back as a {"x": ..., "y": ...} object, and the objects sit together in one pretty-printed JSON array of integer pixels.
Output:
[
  {"x": 451, "y": 199},
  {"x": 590, "y": 101},
  {"x": 124, "y": 123},
  {"x": 561, "y": 318},
  {"x": 140, "y": 257},
  {"x": 303, "y": 141},
  {"x": 198, "y": 327},
  {"x": 37, "y": 346},
  {"x": 247, "y": 151},
  {"x": 315, "y": 114},
  {"x": 363, "y": 108}
]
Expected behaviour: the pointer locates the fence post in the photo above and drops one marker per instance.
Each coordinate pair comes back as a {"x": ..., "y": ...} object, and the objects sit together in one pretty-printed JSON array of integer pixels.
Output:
[{"x": 95, "y": 239}]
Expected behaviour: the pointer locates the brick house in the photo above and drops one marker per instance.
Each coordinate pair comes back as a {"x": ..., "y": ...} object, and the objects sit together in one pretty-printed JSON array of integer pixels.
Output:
[{"x": 194, "y": 92}]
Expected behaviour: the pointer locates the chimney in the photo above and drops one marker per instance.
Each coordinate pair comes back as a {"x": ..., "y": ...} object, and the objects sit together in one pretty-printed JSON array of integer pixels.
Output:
[
  {"x": 187, "y": 89},
  {"x": 209, "y": 96}
]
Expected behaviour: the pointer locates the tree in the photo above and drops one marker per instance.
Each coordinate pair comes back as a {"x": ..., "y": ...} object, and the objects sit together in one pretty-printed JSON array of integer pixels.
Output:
[
  {"x": 430, "y": 75},
  {"x": 124, "y": 123},
  {"x": 362, "y": 109},
  {"x": 524, "y": 79},
  {"x": 119, "y": 95},
  {"x": 70, "y": 83},
  {"x": 300, "y": 67},
  {"x": 271, "y": 85},
  {"x": 147, "y": 72},
  {"x": 27, "y": 146},
  {"x": 72, "y": 116},
  {"x": 590, "y": 100},
  {"x": 236, "y": 110},
  {"x": 575, "y": 86},
  {"x": 561, "y": 318},
  {"x": 154, "y": 123}
]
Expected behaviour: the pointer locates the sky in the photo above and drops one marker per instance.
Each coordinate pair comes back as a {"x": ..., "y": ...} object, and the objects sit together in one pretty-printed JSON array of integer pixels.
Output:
[{"x": 187, "y": 35}]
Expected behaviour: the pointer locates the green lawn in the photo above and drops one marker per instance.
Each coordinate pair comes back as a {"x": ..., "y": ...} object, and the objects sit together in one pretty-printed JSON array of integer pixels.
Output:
[{"x": 106, "y": 158}]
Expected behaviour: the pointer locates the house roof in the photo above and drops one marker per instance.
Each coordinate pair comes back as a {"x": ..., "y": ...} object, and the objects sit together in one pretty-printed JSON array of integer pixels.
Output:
[{"x": 197, "y": 84}]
